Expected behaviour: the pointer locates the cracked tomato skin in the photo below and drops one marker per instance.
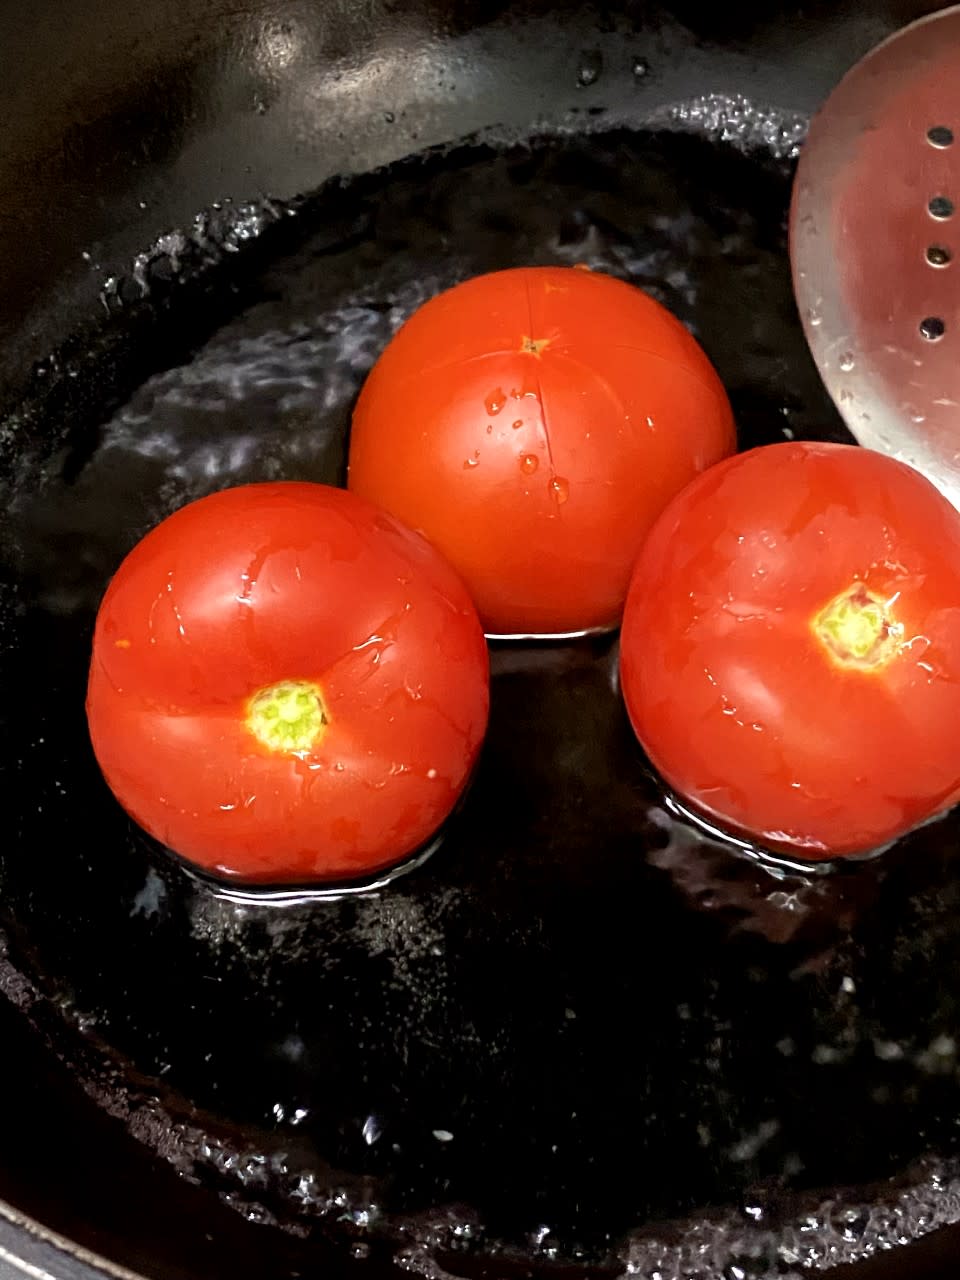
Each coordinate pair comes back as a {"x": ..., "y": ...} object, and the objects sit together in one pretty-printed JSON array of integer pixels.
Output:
[
  {"x": 791, "y": 648},
  {"x": 533, "y": 423},
  {"x": 287, "y": 685}
]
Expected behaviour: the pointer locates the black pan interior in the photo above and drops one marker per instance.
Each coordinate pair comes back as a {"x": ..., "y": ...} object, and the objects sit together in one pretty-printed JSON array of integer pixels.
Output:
[{"x": 584, "y": 1032}]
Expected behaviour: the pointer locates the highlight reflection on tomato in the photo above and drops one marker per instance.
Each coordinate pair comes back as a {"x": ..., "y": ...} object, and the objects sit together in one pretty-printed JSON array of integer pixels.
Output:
[
  {"x": 287, "y": 685},
  {"x": 791, "y": 648},
  {"x": 533, "y": 423}
]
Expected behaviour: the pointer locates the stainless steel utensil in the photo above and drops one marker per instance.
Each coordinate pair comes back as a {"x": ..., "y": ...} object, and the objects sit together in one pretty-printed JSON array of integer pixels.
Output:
[{"x": 875, "y": 247}]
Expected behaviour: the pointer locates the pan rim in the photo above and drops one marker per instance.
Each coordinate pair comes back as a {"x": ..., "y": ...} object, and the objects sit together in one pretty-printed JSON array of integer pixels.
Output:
[{"x": 51, "y": 1248}]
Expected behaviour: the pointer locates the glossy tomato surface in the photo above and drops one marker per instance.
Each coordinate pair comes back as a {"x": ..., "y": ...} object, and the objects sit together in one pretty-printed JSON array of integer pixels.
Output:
[
  {"x": 287, "y": 685},
  {"x": 533, "y": 423},
  {"x": 791, "y": 647}
]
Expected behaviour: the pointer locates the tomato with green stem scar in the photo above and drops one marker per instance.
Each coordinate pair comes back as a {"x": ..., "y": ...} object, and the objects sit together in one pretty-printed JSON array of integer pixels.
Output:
[
  {"x": 791, "y": 648},
  {"x": 287, "y": 685}
]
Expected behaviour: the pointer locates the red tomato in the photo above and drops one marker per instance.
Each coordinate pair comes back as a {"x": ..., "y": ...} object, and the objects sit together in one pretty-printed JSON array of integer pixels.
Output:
[
  {"x": 533, "y": 423},
  {"x": 287, "y": 685},
  {"x": 791, "y": 647}
]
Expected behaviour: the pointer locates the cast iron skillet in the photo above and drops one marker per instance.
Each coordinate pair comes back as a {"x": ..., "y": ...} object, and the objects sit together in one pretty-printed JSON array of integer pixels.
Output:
[{"x": 584, "y": 1036}]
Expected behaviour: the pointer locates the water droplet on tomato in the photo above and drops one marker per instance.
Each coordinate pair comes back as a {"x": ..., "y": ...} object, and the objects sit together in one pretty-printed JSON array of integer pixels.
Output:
[
  {"x": 469, "y": 463},
  {"x": 495, "y": 401},
  {"x": 559, "y": 490},
  {"x": 517, "y": 424},
  {"x": 489, "y": 428},
  {"x": 529, "y": 463}
]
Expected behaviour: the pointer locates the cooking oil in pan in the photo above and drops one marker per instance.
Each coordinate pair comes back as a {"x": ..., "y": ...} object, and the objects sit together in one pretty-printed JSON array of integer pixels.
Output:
[{"x": 583, "y": 1018}]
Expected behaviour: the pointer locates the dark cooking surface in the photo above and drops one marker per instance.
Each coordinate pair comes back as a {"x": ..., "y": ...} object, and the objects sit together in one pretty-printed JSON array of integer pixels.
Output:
[{"x": 580, "y": 1017}]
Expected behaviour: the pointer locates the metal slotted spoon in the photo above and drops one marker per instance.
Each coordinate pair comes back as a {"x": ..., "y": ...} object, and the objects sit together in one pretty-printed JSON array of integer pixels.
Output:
[{"x": 875, "y": 247}]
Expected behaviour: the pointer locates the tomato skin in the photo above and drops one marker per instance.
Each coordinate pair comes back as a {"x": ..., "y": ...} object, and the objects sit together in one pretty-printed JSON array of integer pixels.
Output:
[
  {"x": 269, "y": 583},
  {"x": 533, "y": 423},
  {"x": 738, "y": 703}
]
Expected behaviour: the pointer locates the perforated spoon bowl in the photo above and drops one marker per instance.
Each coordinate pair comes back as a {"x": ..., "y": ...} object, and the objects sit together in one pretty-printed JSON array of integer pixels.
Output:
[{"x": 875, "y": 247}]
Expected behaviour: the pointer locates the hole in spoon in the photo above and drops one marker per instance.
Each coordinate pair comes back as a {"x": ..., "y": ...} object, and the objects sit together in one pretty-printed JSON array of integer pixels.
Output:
[
  {"x": 941, "y": 207},
  {"x": 940, "y": 136},
  {"x": 932, "y": 328}
]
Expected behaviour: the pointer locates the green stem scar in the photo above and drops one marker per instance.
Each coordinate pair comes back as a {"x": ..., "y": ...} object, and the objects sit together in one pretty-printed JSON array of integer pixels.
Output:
[
  {"x": 857, "y": 629},
  {"x": 534, "y": 346},
  {"x": 288, "y": 716}
]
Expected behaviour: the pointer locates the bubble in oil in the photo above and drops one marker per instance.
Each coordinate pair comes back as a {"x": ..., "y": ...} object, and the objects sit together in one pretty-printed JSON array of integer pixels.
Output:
[
  {"x": 559, "y": 490},
  {"x": 495, "y": 401},
  {"x": 591, "y": 65},
  {"x": 743, "y": 123},
  {"x": 529, "y": 463},
  {"x": 847, "y": 361}
]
